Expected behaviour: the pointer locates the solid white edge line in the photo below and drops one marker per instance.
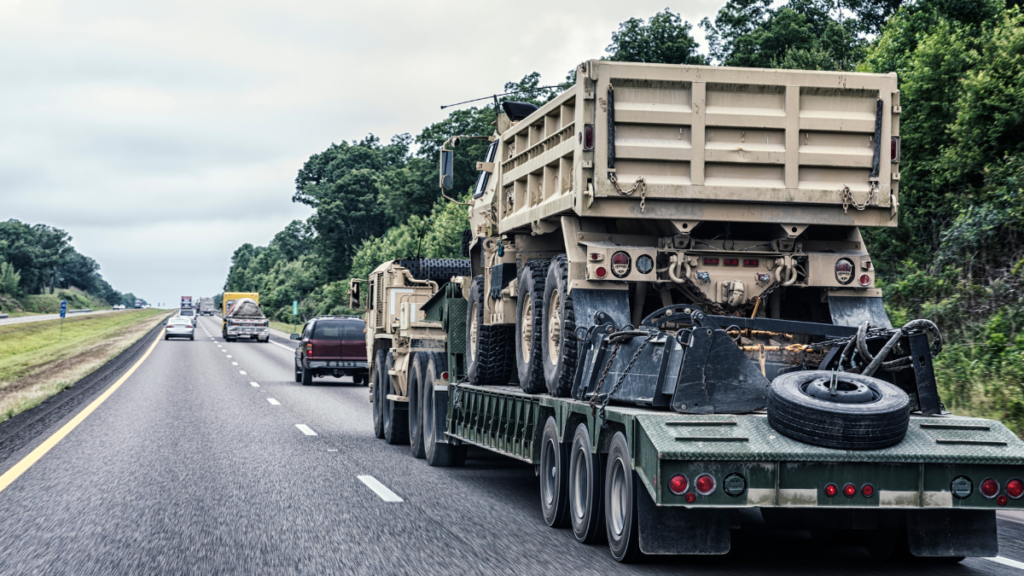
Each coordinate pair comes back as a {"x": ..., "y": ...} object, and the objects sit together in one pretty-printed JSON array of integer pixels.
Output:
[
  {"x": 283, "y": 346},
  {"x": 273, "y": 402},
  {"x": 380, "y": 489},
  {"x": 254, "y": 384},
  {"x": 1007, "y": 562},
  {"x": 305, "y": 429}
]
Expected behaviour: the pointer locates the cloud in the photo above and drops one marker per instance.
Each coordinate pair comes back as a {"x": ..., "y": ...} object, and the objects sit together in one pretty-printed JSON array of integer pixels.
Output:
[{"x": 162, "y": 135}]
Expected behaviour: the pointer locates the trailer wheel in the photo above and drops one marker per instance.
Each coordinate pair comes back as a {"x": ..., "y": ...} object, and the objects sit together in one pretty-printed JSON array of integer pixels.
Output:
[
  {"x": 553, "y": 477},
  {"x": 437, "y": 453},
  {"x": 417, "y": 369},
  {"x": 864, "y": 413},
  {"x": 559, "y": 347},
  {"x": 380, "y": 384},
  {"x": 585, "y": 493},
  {"x": 396, "y": 424},
  {"x": 488, "y": 348},
  {"x": 620, "y": 509},
  {"x": 530, "y": 326}
]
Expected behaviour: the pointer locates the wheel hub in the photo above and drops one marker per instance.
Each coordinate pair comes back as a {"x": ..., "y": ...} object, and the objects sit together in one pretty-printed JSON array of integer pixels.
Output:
[
  {"x": 845, "y": 391},
  {"x": 554, "y": 327},
  {"x": 527, "y": 329}
]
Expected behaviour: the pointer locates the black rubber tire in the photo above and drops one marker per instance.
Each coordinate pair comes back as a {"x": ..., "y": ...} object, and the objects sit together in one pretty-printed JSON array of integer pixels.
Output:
[
  {"x": 585, "y": 494},
  {"x": 467, "y": 237},
  {"x": 298, "y": 374},
  {"x": 439, "y": 454},
  {"x": 167, "y": 337},
  {"x": 492, "y": 364},
  {"x": 307, "y": 377},
  {"x": 531, "y": 291},
  {"x": 439, "y": 270},
  {"x": 873, "y": 425},
  {"x": 417, "y": 369},
  {"x": 554, "y": 477},
  {"x": 558, "y": 375},
  {"x": 620, "y": 508},
  {"x": 396, "y": 422},
  {"x": 191, "y": 338},
  {"x": 380, "y": 384}
]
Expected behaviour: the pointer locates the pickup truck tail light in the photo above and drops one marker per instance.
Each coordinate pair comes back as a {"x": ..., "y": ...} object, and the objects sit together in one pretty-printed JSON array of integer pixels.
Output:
[{"x": 309, "y": 349}]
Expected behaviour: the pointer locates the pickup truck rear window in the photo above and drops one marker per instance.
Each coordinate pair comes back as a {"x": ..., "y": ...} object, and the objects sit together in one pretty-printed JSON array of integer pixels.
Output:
[{"x": 338, "y": 330}]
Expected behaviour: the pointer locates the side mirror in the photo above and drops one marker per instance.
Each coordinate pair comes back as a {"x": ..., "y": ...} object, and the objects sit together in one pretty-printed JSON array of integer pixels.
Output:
[
  {"x": 447, "y": 170},
  {"x": 355, "y": 294},
  {"x": 294, "y": 336}
]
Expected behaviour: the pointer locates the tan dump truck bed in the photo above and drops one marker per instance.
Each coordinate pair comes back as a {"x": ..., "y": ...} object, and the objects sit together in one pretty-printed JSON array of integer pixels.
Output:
[{"x": 710, "y": 144}]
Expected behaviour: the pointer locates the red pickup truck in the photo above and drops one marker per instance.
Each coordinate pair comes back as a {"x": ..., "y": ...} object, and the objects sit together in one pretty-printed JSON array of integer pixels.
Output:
[{"x": 332, "y": 346}]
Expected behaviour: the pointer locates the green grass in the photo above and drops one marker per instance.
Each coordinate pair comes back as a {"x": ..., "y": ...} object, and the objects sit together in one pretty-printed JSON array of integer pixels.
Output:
[
  {"x": 286, "y": 328},
  {"x": 39, "y": 359},
  {"x": 50, "y": 303}
]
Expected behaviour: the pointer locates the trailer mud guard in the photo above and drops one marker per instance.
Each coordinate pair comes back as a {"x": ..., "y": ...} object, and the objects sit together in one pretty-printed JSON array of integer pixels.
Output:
[
  {"x": 681, "y": 531},
  {"x": 587, "y": 303},
  {"x": 951, "y": 533}
]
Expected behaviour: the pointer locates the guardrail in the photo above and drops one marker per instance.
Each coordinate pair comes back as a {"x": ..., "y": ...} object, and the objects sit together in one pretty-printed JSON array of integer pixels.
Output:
[
  {"x": 2, "y": 316},
  {"x": 78, "y": 311}
]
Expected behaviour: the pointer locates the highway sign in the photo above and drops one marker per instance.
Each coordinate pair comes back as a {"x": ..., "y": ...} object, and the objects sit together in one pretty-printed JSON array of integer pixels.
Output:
[
  {"x": 63, "y": 308},
  {"x": 295, "y": 307}
]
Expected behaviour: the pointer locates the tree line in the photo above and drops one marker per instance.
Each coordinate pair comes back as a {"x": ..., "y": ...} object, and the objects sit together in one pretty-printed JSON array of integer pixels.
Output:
[
  {"x": 37, "y": 259},
  {"x": 957, "y": 256}
]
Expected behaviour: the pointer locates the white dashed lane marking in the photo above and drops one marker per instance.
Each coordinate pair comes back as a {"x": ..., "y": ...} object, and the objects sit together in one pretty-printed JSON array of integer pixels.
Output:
[
  {"x": 254, "y": 384},
  {"x": 1007, "y": 562},
  {"x": 242, "y": 372},
  {"x": 380, "y": 489},
  {"x": 234, "y": 363},
  {"x": 305, "y": 429},
  {"x": 273, "y": 402}
]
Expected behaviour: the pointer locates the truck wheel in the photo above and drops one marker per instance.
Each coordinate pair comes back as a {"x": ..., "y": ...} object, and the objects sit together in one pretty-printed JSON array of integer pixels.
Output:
[
  {"x": 437, "y": 453},
  {"x": 620, "y": 511},
  {"x": 307, "y": 377},
  {"x": 417, "y": 369},
  {"x": 298, "y": 373},
  {"x": 488, "y": 348},
  {"x": 553, "y": 477},
  {"x": 529, "y": 326},
  {"x": 396, "y": 424},
  {"x": 380, "y": 384},
  {"x": 864, "y": 414},
  {"x": 559, "y": 345},
  {"x": 585, "y": 488}
]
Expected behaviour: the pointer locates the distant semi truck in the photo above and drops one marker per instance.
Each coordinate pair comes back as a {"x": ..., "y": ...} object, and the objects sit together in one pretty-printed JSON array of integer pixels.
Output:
[{"x": 206, "y": 306}]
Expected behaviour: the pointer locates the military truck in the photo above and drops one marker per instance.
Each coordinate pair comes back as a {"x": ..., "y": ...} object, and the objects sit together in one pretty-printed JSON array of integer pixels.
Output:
[{"x": 670, "y": 311}]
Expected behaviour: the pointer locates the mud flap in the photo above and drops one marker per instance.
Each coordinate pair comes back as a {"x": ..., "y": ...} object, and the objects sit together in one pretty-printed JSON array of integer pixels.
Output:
[
  {"x": 950, "y": 533},
  {"x": 587, "y": 303},
  {"x": 855, "y": 310},
  {"x": 681, "y": 531},
  {"x": 440, "y": 414}
]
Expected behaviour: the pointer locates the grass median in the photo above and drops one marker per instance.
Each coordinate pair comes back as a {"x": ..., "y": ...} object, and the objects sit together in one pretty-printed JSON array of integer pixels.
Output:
[{"x": 36, "y": 361}]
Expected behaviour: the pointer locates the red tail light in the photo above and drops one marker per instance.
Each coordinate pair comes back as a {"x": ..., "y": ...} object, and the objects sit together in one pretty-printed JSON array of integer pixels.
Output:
[
  {"x": 1015, "y": 488},
  {"x": 750, "y": 263},
  {"x": 601, "y": 272},
  {"x": 444, "y": 375},
  {"x": 732, "y": 262},
  {"x": 989, "y": 488},
  {"x": 711, "y": 261},
  {"x": 867, "y": 490},
  {"x": 1001, "y": 500},
  {"x": 309, "y": 349},
  {"x": 705, "y": 484},
  {"x": 678, "y": 484},
  {"x": 865, "y": 280},
  {"x": 849, "y": 490},
  {"x": 831, "y": 490},
  {"x": 690, "y": 497}
]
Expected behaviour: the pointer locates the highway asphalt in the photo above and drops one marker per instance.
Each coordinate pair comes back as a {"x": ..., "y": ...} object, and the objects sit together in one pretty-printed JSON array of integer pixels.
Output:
[
  {"x": 42, "y": 317},
  {"x": 205, "y": 462}
]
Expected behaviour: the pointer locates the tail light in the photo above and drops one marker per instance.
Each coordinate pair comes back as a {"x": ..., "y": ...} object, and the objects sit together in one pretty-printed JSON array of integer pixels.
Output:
[
  {"x": 844, "y": 270},
  {"x": 690, "y": 497},
  {"x": 989, "y": 487},
  {"x": 1015, "y": 488},
  {"x": 444, "y": 375},
  {"x": 867, "y": 490},
  {"x": 705, "y": 484},
  {"x": 309, "y": 349},
  {"x": 732, "y": 262},
  {"x": 621, "y": 264},
  {"x": 587, "y": 137},
  {"x": 601, "y": 272},
  {"x": 831, "y": 490},
  {"x": 751, "y": 263},
  {"x": 711, "y": 261},
  {"x": 849, "y": 490},
  {"x": 865, "y": 280},
  {"x": 678, "y": 484}
]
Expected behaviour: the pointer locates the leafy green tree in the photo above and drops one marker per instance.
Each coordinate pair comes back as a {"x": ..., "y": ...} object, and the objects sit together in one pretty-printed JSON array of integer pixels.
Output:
[
  {"x": 663, "y": 39},
  {"x": 9, "y": 279}
]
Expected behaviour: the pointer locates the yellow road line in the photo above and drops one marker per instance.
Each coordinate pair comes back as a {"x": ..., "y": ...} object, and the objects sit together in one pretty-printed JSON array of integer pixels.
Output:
[{"x": 21, "y": 467}]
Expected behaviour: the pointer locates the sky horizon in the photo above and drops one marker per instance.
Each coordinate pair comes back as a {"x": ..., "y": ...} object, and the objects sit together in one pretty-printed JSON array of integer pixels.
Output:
[{"x": 161, "y": 137}]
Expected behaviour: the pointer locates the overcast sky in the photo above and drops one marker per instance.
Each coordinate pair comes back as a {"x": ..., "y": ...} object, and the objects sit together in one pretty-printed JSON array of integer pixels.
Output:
[{"x": 162, "y": 135}]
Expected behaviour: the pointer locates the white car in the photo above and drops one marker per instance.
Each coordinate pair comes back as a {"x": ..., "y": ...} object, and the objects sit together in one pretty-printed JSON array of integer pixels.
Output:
[{"x": 179, "y": 327}]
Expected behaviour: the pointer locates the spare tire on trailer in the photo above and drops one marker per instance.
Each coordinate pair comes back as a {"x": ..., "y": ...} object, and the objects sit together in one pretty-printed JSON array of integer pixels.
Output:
[
  {"x": 439, "y": 270},
  {"x": 864, "y": 413}
]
